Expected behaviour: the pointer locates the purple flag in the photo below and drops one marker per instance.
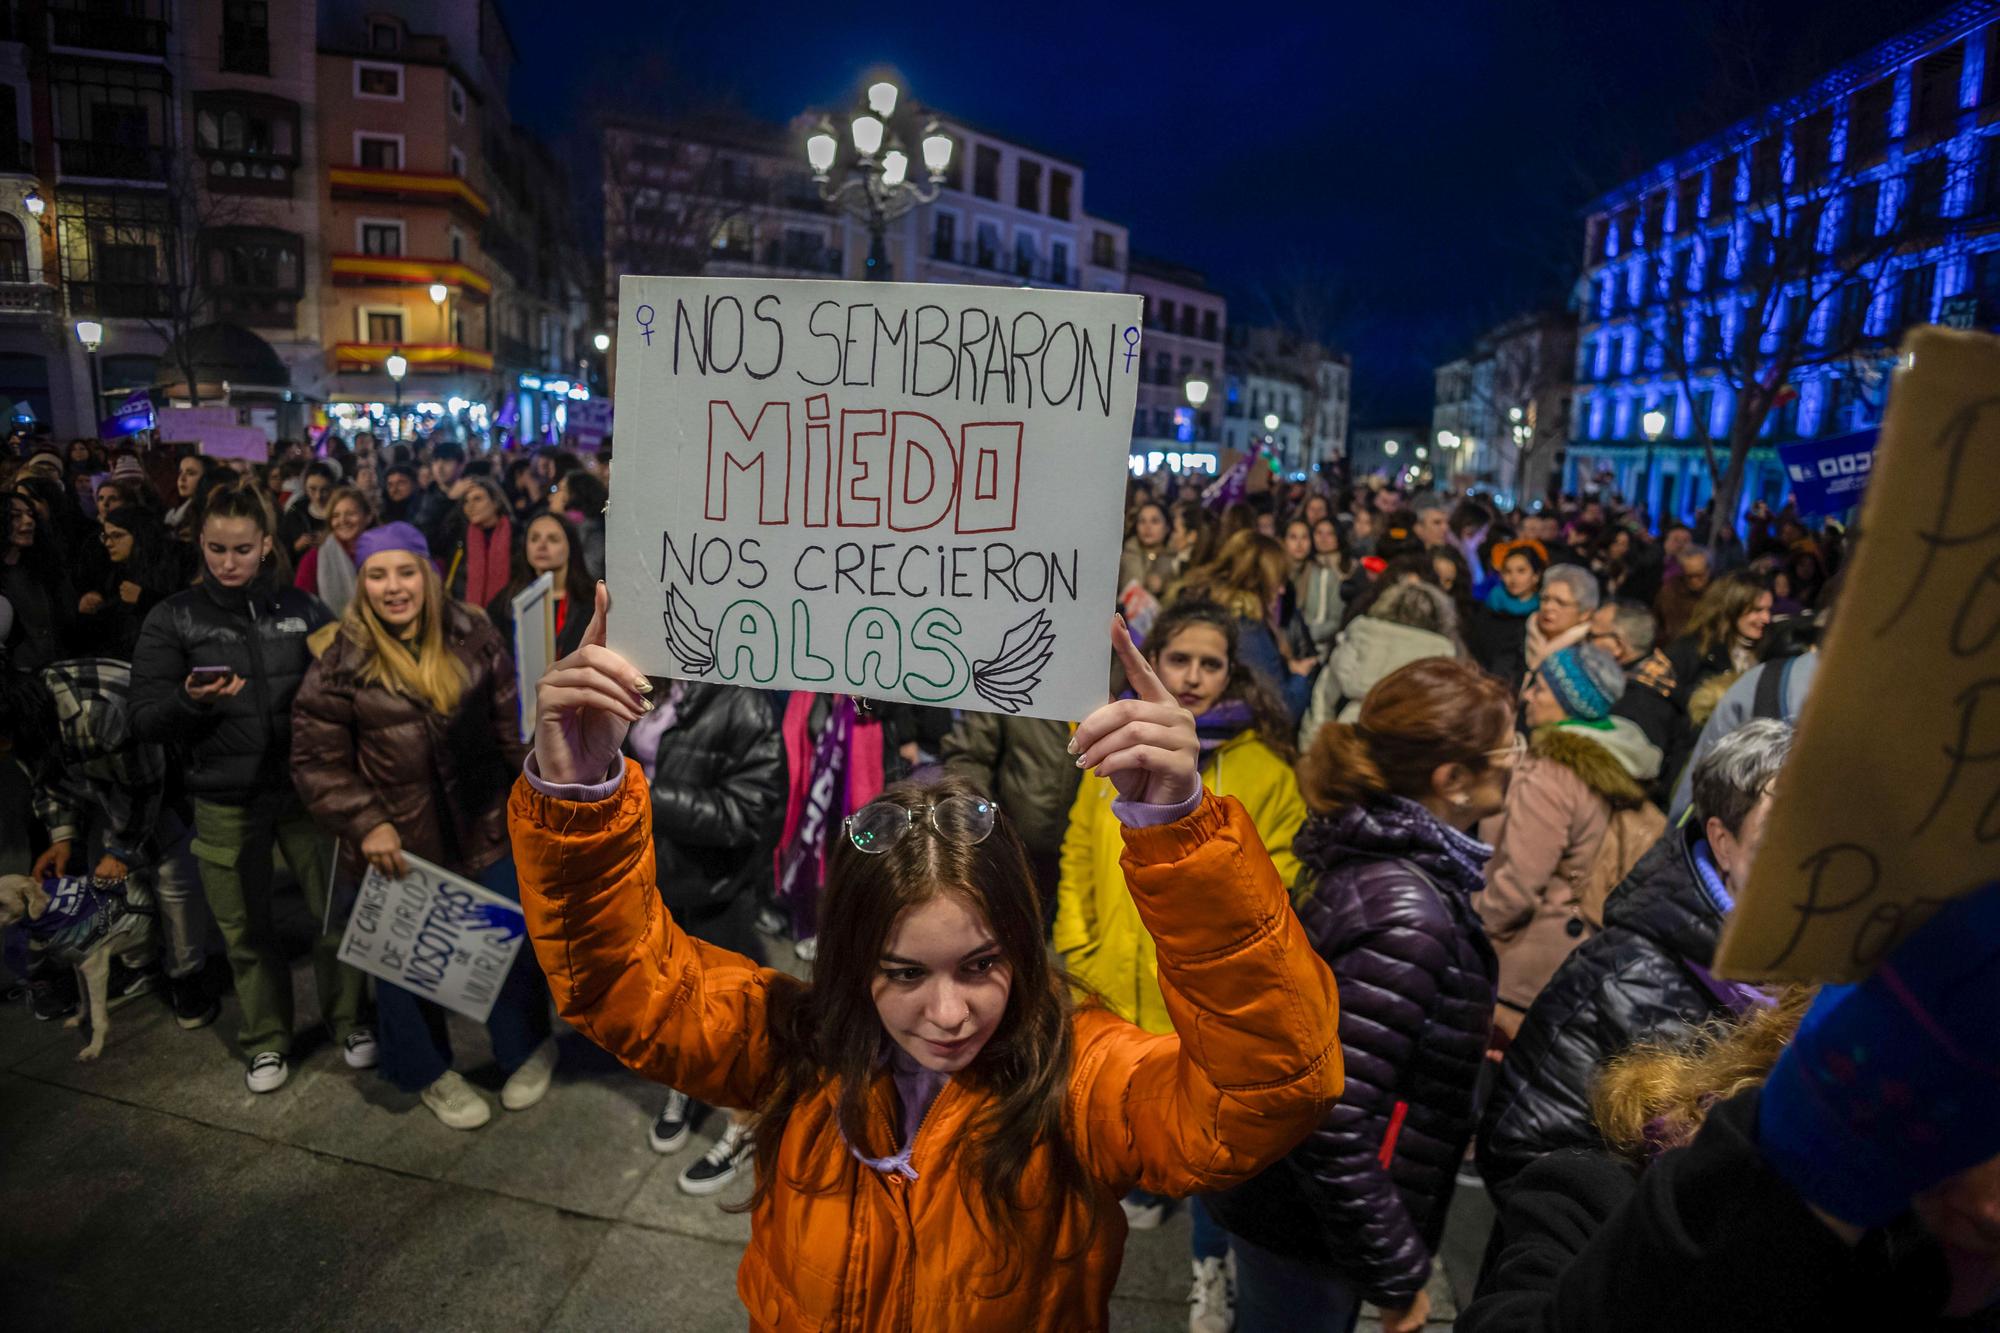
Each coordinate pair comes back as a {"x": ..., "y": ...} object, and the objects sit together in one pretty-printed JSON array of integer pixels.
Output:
[{"x": 825, "y": 806}]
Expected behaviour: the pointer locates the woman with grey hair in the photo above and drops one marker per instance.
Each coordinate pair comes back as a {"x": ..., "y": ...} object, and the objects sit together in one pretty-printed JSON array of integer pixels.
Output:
[
  {"x": 1407, "y": 623},
  {"x": 1569, "y": 599},
  {"x": 1645, "y": 977}
]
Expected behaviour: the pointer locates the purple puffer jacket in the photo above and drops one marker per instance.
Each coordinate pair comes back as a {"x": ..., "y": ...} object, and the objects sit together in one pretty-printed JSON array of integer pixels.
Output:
[{"x": 1390, "y": 910}]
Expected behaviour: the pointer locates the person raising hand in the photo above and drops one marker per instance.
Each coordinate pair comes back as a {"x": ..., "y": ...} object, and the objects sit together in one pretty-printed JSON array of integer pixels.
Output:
[{"x": 941, "y": 1134}]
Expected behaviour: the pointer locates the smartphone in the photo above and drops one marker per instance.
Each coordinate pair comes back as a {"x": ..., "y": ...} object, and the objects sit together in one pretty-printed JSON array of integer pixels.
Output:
[{"x": 208, "y": 674}]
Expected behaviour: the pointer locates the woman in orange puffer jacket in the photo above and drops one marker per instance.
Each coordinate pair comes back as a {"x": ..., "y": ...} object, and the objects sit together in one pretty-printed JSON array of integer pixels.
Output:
[{"x": 942, "y": 1138}]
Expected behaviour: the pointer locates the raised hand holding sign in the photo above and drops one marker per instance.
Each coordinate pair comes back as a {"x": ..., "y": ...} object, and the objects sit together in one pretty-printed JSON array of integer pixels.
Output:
[
  {"x": 1146, "y": 745},
  {"x": 585, "y": 705}
]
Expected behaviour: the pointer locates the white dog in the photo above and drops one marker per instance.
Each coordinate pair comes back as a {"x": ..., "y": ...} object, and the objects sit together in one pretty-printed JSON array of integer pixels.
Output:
[{"x": 83, "y": 927}]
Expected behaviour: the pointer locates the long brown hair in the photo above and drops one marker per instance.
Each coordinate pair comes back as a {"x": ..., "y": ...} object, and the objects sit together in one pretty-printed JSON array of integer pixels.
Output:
[
  {"x": 1268, "y": 717},
  {"x": 1656, "y": 1096},
  {"x": 1713, "y": 622},
  {"x": 1438, "y": 710},
  {"x": 827, "y": 1030},
  {"x": 433, "y": 676},
  {"x": 1244, "y": 577}
]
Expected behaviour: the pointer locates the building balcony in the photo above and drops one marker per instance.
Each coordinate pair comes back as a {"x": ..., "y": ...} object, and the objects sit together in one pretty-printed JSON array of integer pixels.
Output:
[
  {"x": 413, "y": 187},
  {"x": 256, "y": 308},
  {"x": 403, "y": 271},
  {"x": 20, "y": 297},
  {"x": 971, "y": 254},
  {"x": 780, "y": 255},
  {"x": 112, "y": 161},
  {"x": 249, "y": 173},
  {"x": 117, "y": 300},
  {"x": 97, "y": 28},
  {"x": 424, "y": 358}
]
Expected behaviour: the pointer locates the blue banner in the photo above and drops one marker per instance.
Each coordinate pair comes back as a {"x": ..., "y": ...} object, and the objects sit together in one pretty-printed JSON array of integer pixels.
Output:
[
  {"x": 1829, "y": 476},
  {"x": 131, "y": 416}
]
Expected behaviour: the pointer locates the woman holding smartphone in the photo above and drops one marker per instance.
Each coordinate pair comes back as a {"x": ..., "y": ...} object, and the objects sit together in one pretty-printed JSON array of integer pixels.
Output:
[{"x": 213, "y": 677}]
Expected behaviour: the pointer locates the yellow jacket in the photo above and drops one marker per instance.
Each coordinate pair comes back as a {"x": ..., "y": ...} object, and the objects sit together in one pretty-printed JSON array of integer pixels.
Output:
[{"x": 1097, "y": 924}]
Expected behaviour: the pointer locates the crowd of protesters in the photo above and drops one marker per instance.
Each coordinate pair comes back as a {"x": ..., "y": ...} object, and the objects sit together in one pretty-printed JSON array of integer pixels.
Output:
[{"x": 1511, "y": 765}]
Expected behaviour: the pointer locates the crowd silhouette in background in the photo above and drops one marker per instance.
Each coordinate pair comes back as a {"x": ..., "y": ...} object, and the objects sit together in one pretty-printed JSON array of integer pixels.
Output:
[{"x": 1511, "y": 766}]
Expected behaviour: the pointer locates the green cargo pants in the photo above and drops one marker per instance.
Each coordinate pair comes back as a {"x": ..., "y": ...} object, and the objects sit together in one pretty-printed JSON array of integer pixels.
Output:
[{"x": 233, "y": 844}]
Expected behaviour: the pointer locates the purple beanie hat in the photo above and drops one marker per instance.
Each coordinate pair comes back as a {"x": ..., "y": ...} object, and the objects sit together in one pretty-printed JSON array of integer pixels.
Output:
[{"x": 390, "y": 537}]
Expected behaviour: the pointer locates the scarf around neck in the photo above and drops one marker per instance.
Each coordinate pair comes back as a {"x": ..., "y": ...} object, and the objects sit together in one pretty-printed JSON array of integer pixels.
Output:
[
  {"x": 1223, "y": 723},
  {"x": 336, "y": 575},
  {"x": 488, "y": 556},
  {"x": 1507, "y": 604}
]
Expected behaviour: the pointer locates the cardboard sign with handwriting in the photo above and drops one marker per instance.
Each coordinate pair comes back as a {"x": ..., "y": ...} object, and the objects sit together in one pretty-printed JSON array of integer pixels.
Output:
[
  {"x": 1890, "y": 803},
  {"x": 906, "y": 491}
]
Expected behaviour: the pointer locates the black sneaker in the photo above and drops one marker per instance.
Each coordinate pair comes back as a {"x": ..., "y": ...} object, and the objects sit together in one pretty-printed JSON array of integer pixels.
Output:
[
  {"x": 129, "y": 983},
  {"x": 193, "y": 1006},
  {"x": 713, "y": 1170},
  {"x": 53, "y": 995},
  {"x": 669, "y": 1133}
]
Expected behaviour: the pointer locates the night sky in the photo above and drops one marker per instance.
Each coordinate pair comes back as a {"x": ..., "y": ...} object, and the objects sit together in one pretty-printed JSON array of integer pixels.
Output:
[{"x": 1403, "y": 174}]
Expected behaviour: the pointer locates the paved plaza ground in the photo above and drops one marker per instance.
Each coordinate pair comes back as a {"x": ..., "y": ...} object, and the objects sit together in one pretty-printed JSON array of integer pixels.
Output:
[{"x": 151, "y": 1190}]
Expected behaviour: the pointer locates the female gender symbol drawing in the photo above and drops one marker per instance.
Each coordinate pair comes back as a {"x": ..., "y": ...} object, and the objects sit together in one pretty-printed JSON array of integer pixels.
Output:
[{"x": 644, "y": 314}]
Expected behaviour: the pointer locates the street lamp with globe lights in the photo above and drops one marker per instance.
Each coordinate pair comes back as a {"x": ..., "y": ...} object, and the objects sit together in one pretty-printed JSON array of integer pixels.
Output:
[
  {"x": 1652, "y": 424},
  {"x": 439, "y": 292},
  {"x": 398, "y": 366},
  {"x": 1389, "y": 447},
  {"x": 1197, "y": 394},
  {"x": 877, "y": 189},
  {"x": 91, "y": 334},
  {"x": 602, "y": 342}
]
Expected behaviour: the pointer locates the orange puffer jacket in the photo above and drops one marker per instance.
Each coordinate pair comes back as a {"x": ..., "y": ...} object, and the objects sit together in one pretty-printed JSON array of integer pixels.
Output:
[{"x": 878, "y": 1251}]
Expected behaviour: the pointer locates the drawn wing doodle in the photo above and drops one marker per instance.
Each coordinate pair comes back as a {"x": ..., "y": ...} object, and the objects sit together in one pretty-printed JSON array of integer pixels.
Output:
[
  {"x": 1007, "y": 680},
  {"x": 690, "y": 641}
]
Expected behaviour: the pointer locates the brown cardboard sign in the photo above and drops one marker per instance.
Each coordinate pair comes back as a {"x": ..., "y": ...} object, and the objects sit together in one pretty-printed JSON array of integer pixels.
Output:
[{"x": 1889, "y": 806}]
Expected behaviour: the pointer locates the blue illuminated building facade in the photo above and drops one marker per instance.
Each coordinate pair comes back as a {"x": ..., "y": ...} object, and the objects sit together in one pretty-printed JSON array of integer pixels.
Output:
[{"x": 1898, "y": 150}]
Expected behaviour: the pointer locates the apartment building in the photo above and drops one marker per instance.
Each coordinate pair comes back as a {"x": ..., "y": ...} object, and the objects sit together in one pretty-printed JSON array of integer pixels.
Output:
[
  {"x": 1799, "y": 243},
  {"x": 1186, "y": 324}
]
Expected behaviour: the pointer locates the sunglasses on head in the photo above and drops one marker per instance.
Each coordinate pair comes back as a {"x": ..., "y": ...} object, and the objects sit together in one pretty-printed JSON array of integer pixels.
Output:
[{"x": 880, "y": 825}]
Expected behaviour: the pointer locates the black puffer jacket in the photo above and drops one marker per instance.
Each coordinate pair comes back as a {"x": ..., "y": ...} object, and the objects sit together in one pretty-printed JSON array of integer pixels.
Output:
[
  {"x": 1390, "y": 910},
  {"x": 231, "y": 748},
  {"x": 718, "y": 796},
  {"x": 1632, "y": 981}
]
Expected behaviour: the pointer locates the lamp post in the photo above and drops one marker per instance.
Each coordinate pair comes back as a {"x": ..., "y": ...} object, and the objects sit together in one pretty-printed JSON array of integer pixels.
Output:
[
  {"x": 438, "y": 294},
  {"x": 877, "y": 189},
  {"x": 1653, "y": 424},
  {"x": 91, "y": 334},
  {"x": 1197, "y": 394},
  {"x": 398, "y": 366}
]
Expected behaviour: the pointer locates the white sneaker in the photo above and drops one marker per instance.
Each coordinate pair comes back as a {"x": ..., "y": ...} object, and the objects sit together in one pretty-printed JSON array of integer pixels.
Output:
[
  {"x": 807, "y": 949},
  {"x": 669, "y": 1133},
  {"x": 1212, "y": 1300},
  {"x": 713, "y": 1170},
  {"x": 359, "y": 1049},
  {"x": 1143, "y": 1214},
  {"x": 456, "y": 1102},
  {"x": 268, "y": 1072},
  {"x": 530, "y": 1083}
]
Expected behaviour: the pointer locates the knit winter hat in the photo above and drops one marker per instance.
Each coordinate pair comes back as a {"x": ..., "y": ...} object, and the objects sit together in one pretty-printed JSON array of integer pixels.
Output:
[
  {"x": 390, "y": 537},
  {"x": 125, "y": 465},
  {"x": 1585, "y": 679}
]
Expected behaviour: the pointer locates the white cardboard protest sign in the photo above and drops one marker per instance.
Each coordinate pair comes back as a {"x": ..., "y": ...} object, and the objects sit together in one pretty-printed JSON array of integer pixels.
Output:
[
  {"x": 901, "y": 491},
  {"x": 440, "y": 937},
  {"x": 534, "y": 643}
]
